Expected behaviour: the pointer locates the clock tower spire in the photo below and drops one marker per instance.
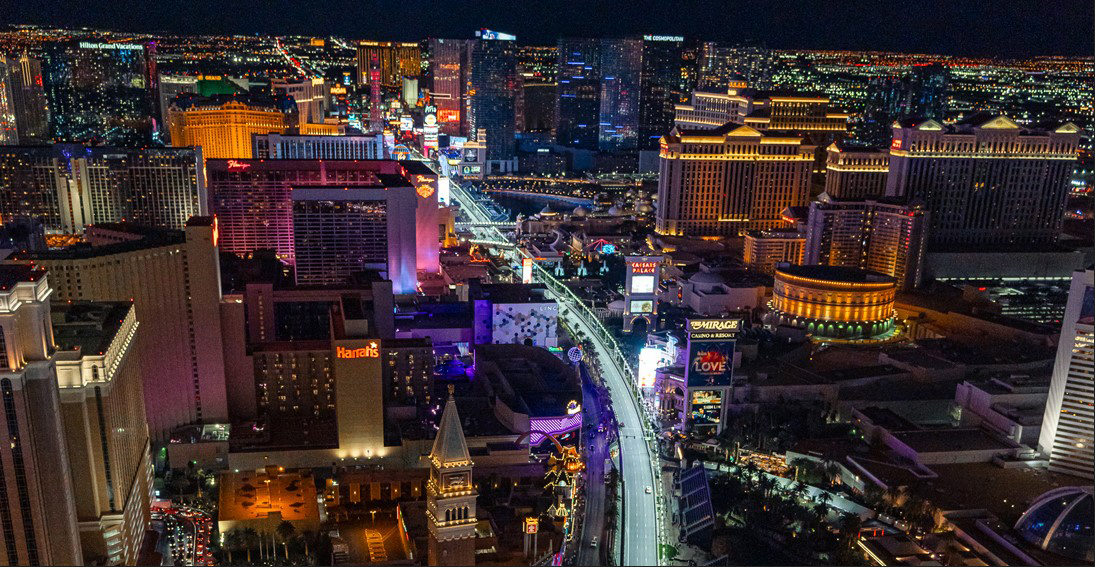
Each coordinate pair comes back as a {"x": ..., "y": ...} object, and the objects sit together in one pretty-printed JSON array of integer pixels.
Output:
[{"x": 450, "y": 494}]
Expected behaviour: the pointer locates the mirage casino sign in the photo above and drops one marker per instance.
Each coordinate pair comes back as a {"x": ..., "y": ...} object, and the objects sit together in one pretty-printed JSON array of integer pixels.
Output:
[{"x": 711, "y": 351}]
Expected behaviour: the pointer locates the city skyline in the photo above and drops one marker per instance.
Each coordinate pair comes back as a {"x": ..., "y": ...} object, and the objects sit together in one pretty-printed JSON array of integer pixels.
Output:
[
  {"x": 540, "y": 284},
  {"x": 954, "y": 28}
]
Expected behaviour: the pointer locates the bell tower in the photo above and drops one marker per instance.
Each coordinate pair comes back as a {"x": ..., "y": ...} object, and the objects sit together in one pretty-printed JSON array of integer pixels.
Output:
[{"x": 450, "y": 494}]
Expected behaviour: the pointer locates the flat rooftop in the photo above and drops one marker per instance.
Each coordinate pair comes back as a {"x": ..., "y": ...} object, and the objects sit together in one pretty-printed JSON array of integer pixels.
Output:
[
  {"x": 255, "y": 495},
  {"x": 952, "y": 440},
  {"x": 87, "y": 326}
]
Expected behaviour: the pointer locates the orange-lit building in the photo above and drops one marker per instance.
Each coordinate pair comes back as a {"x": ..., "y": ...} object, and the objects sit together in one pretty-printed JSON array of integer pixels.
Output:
[
  {"x": 832, "y": 301},
  {"x": 730, "y": 180},
  {"x": 223, "y": 126}
]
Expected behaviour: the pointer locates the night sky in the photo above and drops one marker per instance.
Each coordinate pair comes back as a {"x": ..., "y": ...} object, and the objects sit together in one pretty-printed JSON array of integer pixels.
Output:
[{"x": 1005, "y": 28}]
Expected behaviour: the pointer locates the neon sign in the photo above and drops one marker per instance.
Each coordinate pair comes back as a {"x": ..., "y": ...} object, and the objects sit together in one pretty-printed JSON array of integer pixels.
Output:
[
  {"x": 371, "y": 351},
  {"x": 896, "y": 145},
  {"x": 423, "y": 185},
  {"x": 643, "y": 267},
  {"x": 714, "y": 325},
  {"x": 236, "y": 165}
]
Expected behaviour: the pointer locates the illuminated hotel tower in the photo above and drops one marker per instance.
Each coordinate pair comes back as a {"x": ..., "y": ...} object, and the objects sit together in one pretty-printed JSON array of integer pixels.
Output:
[
  {"x": 173, "y": 278},
  {"x": 1066, "y": 434},
  {"x": 986, "y": 180},
  {"x": 888, "y": 238},
  {"x": 450, "y": 494},
  {"x": 222, "y": 125},
  {"x": 37, "y": 503},
  {"x": 730, "y": 180},
  {"x": 856, "y": 172}
]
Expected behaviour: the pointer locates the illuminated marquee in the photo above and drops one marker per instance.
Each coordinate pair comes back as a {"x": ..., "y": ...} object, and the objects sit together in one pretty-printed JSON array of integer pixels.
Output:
[
  {"x": 643, "y": 267},
  {"x": 371, "y": 351},
  {"x": 235, "y": 165},
  {"x": 714, "y": 325}
]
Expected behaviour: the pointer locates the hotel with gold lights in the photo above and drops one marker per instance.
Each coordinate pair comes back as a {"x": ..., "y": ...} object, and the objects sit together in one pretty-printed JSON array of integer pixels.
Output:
[
  {"x": 730, "y": 180},
  {"x": 833, "y": 302},
  {"x": 223, "y": 126}
]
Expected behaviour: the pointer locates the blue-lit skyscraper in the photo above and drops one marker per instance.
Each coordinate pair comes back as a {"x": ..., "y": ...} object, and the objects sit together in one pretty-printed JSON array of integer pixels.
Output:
[
  {"x": 921, "y": 93},
  {"x": 99, "y": 91},
  {"x": 662, "y": 80},
  {"x": 493, "y": 93},
  {"x": 621, "y": 67},
  {"x": 578, "y": 93}
]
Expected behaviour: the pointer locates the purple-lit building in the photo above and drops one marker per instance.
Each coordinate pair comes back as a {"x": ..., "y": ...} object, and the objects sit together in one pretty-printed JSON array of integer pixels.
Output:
[{"x": 253, "y": 202}]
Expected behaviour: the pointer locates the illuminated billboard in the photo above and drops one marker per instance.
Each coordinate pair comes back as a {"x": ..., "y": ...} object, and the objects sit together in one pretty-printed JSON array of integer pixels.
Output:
[
  {"x": 705, "y": 408},
  {"x": 471, "y": 155},
  {"x": 470, "y": 170},
  {"x": 641, "y": 306},
  {"x": 710, "y": 364},
  {"x": 642, "y": 284},
  {"x": 650, "y": 360}
]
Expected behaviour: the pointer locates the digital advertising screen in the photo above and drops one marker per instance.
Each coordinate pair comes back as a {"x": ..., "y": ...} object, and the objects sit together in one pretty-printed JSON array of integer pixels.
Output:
[
  {"x": 710, "y": 363},
  {"x": 706, "y": 407},
  {"x": 643, "y": 306},
  {"x": 642, "y": 284}
]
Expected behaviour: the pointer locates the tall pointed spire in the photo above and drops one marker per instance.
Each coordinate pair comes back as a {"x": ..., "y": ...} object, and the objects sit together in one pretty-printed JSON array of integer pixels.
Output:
[{"x": 450, "y": 449}]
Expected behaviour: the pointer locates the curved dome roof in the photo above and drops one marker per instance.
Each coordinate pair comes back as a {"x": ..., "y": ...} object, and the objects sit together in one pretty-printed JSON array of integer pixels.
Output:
[
  {"x": 580, "y": 211},
  {"x": 1060, "y": 522},
  {"x": 644, "y": 208},
  {"x": 614, "y": 210},
  {"x": 616, "y": 305},
  {"x": 547, "y": 210}
]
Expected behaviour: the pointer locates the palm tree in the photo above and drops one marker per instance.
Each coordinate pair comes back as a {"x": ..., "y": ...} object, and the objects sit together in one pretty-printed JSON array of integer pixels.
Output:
[
  {"x": 232, "y": 540},
  {"x": 285, "y": 531},
  {"x": 249, "y": 538}
]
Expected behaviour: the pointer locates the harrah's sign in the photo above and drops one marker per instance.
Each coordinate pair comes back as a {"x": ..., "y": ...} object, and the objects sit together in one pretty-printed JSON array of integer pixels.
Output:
[{"x": 371, "y": 351}]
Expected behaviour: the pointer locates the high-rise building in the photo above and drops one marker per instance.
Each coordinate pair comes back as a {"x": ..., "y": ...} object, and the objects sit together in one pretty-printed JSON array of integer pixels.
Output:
[
  {"x": 537, "y": 69},
  {"x": 762, "y": 110},
  {"x": 292, "y": 146},
  {"x": 722, "y": 65},
  {"x": 730, "y": 180},
  {"x": 106, "y": 429},
  {"x": 621, "y": 69},
  {"x": 764, "y": 249},
  {"x": 856, "y": 172},
  {"x": 173, "y": 278},
  {"x": 24, "y": 118},
  {"x": 9, "y": 129},
  {"x": 397, "y": 60},
  {"x": 338, "y": 232},
  {"x": 922, "y": 93},
  {"x": 448, "y": 75},
  {"x": 451, "y": 494},
  {"x": 407, "y": 365},
  {"x": 709, "y": 109},
  {"x": 99, "y": 91},
  {"x": 578, "y": 102},
  {"x": 884, "y": 237},
  {"x": 171, "y": 86},
  {"x": 661, "y": 83},
  {"x": 493, "y": 94},
  {"x": 37, "y": 501},
  {"x": 223, "y": 124},
  {"x": 986, "y": 180},
  {"x": 1066, "y": 434},
  {"x": 310, "y": 95},
  {"x": 69, "y": 186},
  {"x": 252, "y": 200}
]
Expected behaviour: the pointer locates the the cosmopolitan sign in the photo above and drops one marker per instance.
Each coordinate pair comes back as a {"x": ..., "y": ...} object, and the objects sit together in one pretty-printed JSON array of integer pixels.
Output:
[
  {"x": 663, "y": 38},
  {"x": 90, "y": 45}
]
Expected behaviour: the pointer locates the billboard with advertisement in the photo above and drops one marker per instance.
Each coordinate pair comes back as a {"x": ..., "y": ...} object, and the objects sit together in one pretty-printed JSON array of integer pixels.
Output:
[
  {"x": 471, "y": 155},
  {"x": 710, "y": 363},
  {"x": 641, "y": 306},
  {"x": 705, "y": 408},
  {"x": 471, "y": 170},
  {"x": 642, "y": 284}
]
